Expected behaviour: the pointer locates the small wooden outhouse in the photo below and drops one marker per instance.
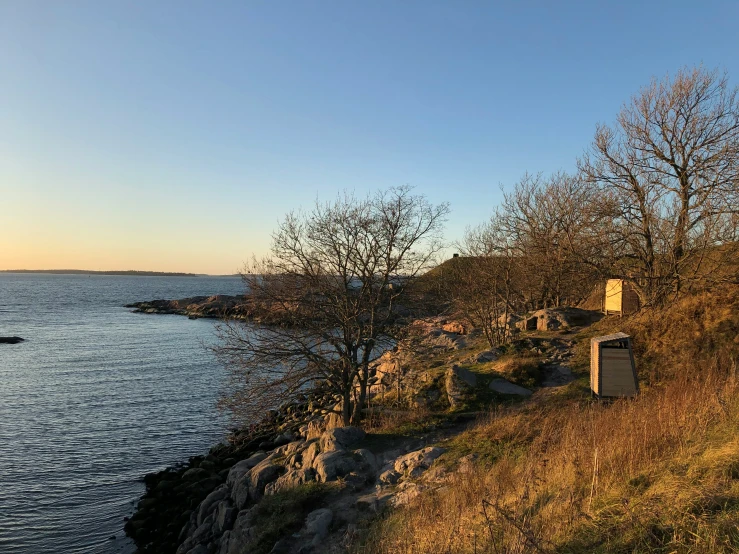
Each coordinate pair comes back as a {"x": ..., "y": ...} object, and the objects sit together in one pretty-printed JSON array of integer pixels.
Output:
[
  {"x": 612, "y": 369},
  {"x": 620, "y": 298}
]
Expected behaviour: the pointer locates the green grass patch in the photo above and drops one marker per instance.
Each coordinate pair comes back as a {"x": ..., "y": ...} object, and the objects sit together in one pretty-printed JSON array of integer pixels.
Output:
[{"x": 282, "y": 514}]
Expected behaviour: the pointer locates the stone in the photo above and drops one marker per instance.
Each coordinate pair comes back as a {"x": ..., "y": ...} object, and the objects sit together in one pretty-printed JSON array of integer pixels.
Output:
[
  {"x": 260, "y": 476},
  {"x": 418, "y": 460},
  {"x": 341, "y": 437},
  {"x": 405, "y": 495},
  {"x": 367, "y": 459},
  {"x": 225, "y": 515},
  {"x": 374, "y": 502},
  {"x": 207, "y": 505},
  {"x": 240, "y": 468},
  {"x": 389, "y": 477},
  {"x": 487, "y": 356},
  {"x": 290, "y": 480},
  {"x": 504, "y": 386},
  {"x": 240, "y": 532},
  {"x": 454, "y": 327},
  {"x": 331, "y": 465},
  {"x": 318, "y": 522},
  {"x": 310, "y": 453},
  {"x": 458, "y": 383},
  {"x": 195, "y": 474},
  {"x": 11, "y": 340}
]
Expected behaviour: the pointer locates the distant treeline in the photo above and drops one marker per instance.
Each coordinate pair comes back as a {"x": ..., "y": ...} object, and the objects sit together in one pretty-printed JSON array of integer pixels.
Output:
[{"x": 87, "y": 272}]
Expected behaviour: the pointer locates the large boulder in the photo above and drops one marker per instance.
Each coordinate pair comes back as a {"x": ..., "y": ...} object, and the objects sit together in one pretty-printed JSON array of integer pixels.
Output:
[
  {"x": 318, "y": 522},
  {"x": 290, "y": 480},
  {"x": 458, "y": 382},
  {"x": 331, "y": 465},
  {"x": 239, "y": 469},
  {"x": 564, "y": 318},
  {"x": 415, "y": 463},
  {"x": 340, "y": 438}
]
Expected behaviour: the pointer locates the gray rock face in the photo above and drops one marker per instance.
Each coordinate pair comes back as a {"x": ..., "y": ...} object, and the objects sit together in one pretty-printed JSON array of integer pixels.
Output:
[
  {"x": 206, "y": 506},
  {"x": 502, "y": 386},
  {"x": 310, "y": 453},
  {"x": 318, "y": 522},
  {"x": 367, "y": 459},
  {"x": 458, "y": 383},
  {"x": 389, "y": 477},
  {"x": 331, "y": 465},
  {"x": 260, "y": 476},
  {"x": 341, "y": 437},
  {"x": 291, "y": 479},
  {"x": 414, "y": 463}
]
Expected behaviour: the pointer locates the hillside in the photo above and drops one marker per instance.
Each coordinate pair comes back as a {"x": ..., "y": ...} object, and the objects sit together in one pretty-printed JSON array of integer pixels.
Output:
[{"x": 561, "y": 472}]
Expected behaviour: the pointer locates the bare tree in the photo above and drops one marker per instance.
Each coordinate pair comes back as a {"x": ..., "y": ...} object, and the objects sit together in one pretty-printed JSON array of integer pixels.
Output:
[
  {"x": 554, "y": 228},
  {"x": 480, "y": 284},
  {"x": 671, "y": 163},
  {"x": 331, "y": 289}
]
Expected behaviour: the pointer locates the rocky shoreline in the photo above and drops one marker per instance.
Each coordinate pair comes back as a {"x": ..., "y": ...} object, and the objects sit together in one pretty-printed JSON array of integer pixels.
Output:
[
  {"x": 216, "y": 306},
  {"x": 298, "y": 483}
]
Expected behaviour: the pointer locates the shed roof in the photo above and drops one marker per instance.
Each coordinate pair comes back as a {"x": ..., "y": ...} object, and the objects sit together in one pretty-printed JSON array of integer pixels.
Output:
[{"x": 613, "y": 337}]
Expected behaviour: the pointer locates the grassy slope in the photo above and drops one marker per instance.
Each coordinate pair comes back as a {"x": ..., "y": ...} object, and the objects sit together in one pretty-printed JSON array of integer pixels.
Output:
[{"x": 563, "y": 473}]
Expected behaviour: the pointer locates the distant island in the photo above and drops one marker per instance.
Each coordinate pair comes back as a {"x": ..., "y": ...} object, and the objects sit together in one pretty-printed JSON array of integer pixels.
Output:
[{"x": 88, "y": 272}]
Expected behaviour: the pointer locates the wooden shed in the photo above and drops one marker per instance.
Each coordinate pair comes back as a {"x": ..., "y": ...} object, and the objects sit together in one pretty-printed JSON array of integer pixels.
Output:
[
  {"x": 612, "y": 369},
  {"x": 620, "y": 298}
]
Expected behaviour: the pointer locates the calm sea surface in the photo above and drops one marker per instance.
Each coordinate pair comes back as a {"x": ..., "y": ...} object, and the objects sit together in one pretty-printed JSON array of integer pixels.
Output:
[{"x": 96, "y": 398}]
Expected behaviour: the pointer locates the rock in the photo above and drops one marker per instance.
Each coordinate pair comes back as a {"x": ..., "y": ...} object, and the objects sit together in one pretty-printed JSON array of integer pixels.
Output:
[
  {"x": 331, "y": 465},
  {"x": 406, "y": 495},
  {"x": 318, "y": 522},
  {"x": 341, "y": 437},
  {"x": 416, "y": 462},
  {"x": 225, "y": 515},
  {"x": 367, "y": 459},
  {"x": 195, "y": 474},
  {"x": 389, "y": 477},
  {"x": 290, "y": 480},
  {"x": 487, "y": 356},
  {"x": 262, "y": 474},
  {"x": 458, "y": 383},
  {"x": 503, "y": 386},
  {"x": 207, "y": 505},
  {"x": 454, "y": 327},
  {"x": 374, "y": 502},
  {"x": 11, "y": 340},
  {"x": 310, "y": 453},
  {"x": 240, "y": 532},
  {"x": 562, "y": 318},
  {"x": 445, "y": 341}
]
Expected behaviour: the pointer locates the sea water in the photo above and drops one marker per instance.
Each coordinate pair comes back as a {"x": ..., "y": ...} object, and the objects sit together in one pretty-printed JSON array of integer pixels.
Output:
[{"x": 94, "y": 399}]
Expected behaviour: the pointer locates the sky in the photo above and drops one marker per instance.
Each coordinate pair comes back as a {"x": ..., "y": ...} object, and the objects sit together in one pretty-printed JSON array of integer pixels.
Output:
[{"x": 174, "y": 135}]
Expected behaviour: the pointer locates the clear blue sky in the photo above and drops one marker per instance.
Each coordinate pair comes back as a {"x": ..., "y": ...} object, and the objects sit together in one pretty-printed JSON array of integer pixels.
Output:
[{"x": 173, "y": 135}]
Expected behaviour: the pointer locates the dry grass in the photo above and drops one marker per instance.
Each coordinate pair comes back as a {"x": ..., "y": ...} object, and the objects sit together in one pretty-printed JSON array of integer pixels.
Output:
[{"x": 659, "y": 473}]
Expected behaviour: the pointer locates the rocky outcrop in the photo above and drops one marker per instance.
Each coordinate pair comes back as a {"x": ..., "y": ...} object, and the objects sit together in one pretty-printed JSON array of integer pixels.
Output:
[
  {"x": 220, "y": 305},
  {"x": 227, "y": 520},
  {"x": 564, "y": 318},
  {"x": 11, "y": 340},
  {"x": 459, "y": 383}
]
